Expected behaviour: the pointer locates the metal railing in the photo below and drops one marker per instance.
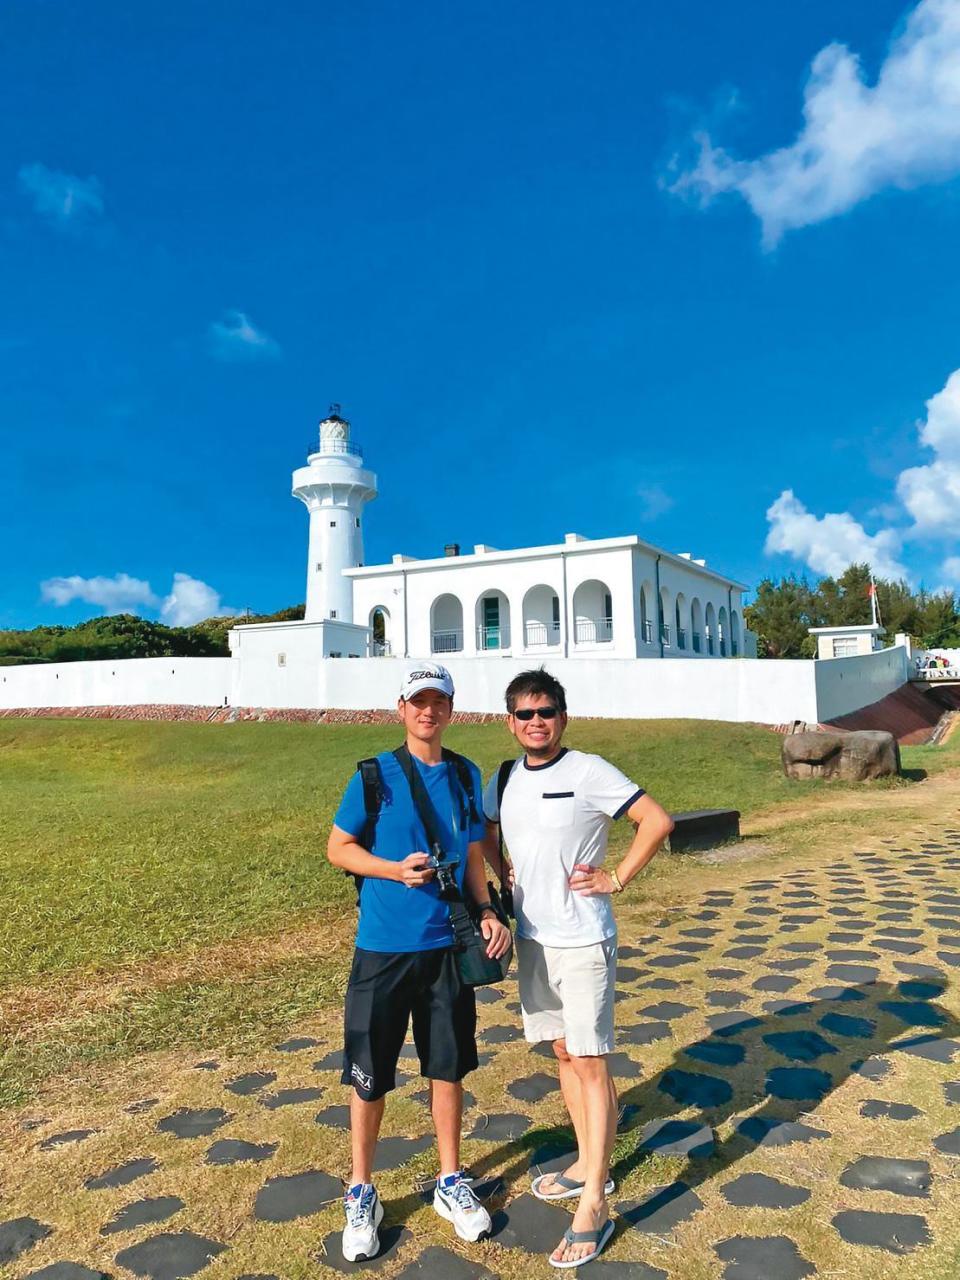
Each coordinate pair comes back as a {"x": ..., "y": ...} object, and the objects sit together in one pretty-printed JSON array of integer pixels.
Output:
[
  {"x": 665, "y": 634},
  {"x": 646, "y": 631},
  {"x": 681, "y": 638},
  {"x": 446, "y": 641},
  {"x": 540, "y": 634},
  {"x": 710, "y": 644},
  {"x": 349, "y": 447},
  {"x": 594, "y": 630},
  {"x": 380, "y": 649},
  {"x": 696, "y": 642},
  {"x": 493, "y": 637}
]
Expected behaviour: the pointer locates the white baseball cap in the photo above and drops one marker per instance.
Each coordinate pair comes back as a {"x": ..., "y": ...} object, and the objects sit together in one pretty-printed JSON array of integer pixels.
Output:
[{"x": 428, "y": 676}]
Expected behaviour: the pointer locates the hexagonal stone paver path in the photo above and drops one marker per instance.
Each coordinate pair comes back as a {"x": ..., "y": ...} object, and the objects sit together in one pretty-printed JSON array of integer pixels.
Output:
[
  {"x": 762, "y": 1258},
  {"x": 20, "y": 1234},
  {"x": 170, "y": 1256},
  {"x": 282, "y": 1199},
  {"x": 143, "y": 1212}
]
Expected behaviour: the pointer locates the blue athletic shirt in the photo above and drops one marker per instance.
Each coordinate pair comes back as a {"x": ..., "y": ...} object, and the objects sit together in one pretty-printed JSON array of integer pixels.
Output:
[{"x": 393, "y": 917}]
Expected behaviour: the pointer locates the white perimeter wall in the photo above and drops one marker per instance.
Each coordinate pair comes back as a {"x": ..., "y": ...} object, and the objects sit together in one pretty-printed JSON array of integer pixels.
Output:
[
  {"x": 767, "y": 691},
  {"x": 847, "y": 684},
  {"x": 126, "y": 682}
]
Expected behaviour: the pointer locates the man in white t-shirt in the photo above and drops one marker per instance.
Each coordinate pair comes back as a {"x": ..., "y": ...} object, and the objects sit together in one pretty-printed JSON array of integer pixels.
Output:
[{"x": 555, "y": 815}]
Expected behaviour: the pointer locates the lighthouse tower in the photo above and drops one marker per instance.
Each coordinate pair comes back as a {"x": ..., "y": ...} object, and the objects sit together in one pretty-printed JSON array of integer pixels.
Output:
[{"x": 334, "y": 487}]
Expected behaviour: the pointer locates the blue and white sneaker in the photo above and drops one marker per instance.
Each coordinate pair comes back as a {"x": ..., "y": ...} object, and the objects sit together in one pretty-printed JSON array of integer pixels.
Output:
[
  {"x": 364, "y": 1213},
  {"x": 454, "y": 1200}
]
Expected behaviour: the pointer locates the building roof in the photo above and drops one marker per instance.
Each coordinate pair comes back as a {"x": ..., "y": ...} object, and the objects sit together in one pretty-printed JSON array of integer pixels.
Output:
[
  {"x": 874, "y": 628},
  {"x": 574, "y": 545}
]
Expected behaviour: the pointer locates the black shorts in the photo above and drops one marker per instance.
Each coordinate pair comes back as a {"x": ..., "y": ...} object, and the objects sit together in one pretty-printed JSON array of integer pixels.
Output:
[{"x": 384, "y": 991}]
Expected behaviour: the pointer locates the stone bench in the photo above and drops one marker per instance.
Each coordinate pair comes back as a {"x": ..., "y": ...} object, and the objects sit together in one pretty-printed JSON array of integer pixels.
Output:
[{"x": 702, "y": 829}]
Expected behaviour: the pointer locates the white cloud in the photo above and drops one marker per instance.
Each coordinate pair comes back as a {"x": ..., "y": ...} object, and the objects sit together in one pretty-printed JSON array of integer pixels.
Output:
[
  {"x": 63, "y": 199},
  {"x": 236, "y": 337},
  {"x": 857, "y": 139},
  {"x": 191, "y": 600},
  {"x": 828, "y": 544},
  {"x": 931, "y": 493},
  {"x": 654, "y": 501},
  {"x": 951, "y": 570},
  {"x": 119, "y": 594}
]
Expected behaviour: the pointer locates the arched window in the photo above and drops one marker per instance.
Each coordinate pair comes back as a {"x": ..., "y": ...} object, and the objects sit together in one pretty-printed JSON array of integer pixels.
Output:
[
  {"x": 696, "y": 625},
  {"x": 710, "y": 629},
  {"x": 665, "y": 617},
  {"x": 680, "y": 613},
  {"x": 379, "y": 631},
  {"x": 646, "y": 622},
  {"x": 541, "y": 618},
  {"x": 593, "y": 613},
  {"x": 493, "y": 621},
  {"x": 446, "y": 625},
  {"x": 722, "y": 631},
  {"x": 734, "y": 634}
]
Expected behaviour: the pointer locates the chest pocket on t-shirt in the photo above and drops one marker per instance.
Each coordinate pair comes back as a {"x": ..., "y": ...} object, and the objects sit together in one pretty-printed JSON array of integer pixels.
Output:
[{"x": 557, "y": 809}]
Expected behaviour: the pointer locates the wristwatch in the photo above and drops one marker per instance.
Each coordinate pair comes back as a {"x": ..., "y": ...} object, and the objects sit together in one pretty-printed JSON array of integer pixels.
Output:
[{"x": 485, "y": 906}]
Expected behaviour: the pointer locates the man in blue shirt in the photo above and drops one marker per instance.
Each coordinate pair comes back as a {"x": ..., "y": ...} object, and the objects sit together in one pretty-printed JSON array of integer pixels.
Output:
[{"x": 404, "y": 966}]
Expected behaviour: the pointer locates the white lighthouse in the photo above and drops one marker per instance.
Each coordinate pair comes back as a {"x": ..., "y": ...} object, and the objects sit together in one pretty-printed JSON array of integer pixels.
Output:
[{"x": 335, "y": 488}]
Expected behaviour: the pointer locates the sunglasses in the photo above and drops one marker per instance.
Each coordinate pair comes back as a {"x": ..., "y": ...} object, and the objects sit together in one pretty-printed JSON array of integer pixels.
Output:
[{"x": 545, "y": 713}]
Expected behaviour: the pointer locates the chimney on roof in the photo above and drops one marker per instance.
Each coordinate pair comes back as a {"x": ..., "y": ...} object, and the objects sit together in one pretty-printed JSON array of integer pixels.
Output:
[{"x": 451, "y": 549}]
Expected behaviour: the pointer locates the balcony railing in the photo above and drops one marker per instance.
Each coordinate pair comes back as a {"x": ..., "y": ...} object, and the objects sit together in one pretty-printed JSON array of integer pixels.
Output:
[
  {"x": 646, "y": 631},
  {"x": 538, "y": 635},
  {"x": 696, "y": 642},
  {"x": 380, "y": 649},
  {"x": 340, "y": 447},
  {"x": 446, "y": 641},
  {"x": 681, "y": 638},
  {"x": 665, "y": 634},
  {"x": 493, "y": 638},
  {"x": 594, "y": 630}
]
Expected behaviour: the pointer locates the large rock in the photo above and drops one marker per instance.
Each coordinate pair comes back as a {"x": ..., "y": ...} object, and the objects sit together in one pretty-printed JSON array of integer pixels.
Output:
[{"x": 855, "y": 757}]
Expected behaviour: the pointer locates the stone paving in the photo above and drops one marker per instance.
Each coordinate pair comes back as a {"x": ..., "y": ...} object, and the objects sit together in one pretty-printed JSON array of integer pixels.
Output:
[{"x": 789, "y": 1073}]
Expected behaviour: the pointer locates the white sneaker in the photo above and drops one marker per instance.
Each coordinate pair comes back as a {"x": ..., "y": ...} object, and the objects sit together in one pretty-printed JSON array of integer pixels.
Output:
[
  {"x": 364, "y": 1214},
  {"x": 454, "y": 1200}
]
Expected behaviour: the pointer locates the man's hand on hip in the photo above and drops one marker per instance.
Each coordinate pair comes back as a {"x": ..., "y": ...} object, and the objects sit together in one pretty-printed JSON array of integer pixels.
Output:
[{"x": 591, "y": 882}]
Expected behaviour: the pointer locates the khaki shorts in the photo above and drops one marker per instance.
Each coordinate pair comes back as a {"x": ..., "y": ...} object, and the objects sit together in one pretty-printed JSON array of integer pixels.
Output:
[{"x": 567, "y": 993}]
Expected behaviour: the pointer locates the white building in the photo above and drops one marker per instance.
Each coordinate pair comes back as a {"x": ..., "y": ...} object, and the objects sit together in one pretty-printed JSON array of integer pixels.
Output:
[
  {"x": 608, "y": 597},
  {"x": 848, "y": 642},
  {"x": 595, "y": 610}
]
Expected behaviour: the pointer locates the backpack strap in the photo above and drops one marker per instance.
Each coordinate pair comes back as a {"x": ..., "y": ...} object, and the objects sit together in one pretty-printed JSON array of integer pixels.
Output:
[
  {"x": 465, "y": 778},
  {"x": 503, "y": 777},
  {"x": 372, "y": 784}
]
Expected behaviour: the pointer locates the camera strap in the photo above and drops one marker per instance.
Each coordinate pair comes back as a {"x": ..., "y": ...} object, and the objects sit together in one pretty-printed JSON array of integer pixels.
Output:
[{"x": 463, "y": 926}]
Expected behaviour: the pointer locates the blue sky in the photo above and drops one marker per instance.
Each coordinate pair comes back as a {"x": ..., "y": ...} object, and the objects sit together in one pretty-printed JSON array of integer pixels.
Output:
[{"x": 568, "y": 267}]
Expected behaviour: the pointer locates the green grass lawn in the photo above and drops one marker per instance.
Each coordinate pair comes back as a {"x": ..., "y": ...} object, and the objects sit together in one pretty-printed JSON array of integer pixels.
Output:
[{"x": 123, "y": 840}]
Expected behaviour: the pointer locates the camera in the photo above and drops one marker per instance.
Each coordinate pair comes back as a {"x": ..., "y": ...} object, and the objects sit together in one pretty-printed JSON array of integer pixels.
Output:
[{"x": 446, "y": 869}]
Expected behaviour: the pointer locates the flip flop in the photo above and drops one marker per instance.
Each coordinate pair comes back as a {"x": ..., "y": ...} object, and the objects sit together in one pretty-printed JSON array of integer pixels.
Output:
[
  {"x": 599, "y": 1239},
  {"x": 571, "y": 1187}
]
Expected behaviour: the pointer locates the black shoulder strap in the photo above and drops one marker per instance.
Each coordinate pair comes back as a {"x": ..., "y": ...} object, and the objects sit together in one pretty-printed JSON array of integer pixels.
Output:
[
  {"x": 465, "y": 778},
  {"x": 372, "y": 783},
  {"x": 459, "y": 916},
  {"x": 503, "y": 777}
]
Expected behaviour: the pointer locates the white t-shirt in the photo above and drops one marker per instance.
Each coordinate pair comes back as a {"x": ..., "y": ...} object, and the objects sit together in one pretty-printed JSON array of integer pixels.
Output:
[{"x": 554, "y": 816}]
